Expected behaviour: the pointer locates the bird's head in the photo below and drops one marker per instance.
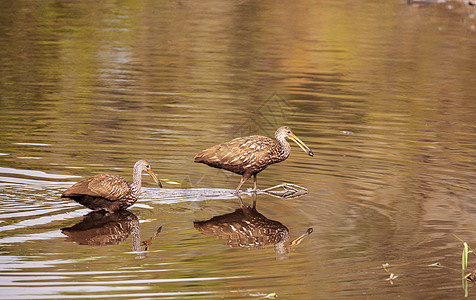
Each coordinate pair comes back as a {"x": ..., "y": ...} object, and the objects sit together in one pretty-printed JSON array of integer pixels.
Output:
[
  {"x": 286, "y": 132},
  {"x": 143, "y": 165}
]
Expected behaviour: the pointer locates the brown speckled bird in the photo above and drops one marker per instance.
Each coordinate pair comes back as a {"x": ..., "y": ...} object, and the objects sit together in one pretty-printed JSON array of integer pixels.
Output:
[
  {"x": 250, "y": 155},
  {"x": 110, "y": 192}
]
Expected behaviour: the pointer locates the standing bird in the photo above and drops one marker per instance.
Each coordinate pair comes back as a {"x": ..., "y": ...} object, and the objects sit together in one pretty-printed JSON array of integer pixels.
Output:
[
  {"x": 109, "y": 192},
  {"x": 250, "y": 155}
]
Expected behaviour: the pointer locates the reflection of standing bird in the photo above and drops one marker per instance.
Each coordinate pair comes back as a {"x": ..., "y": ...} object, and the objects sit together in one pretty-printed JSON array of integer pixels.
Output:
[
  {"x": 247, "y": 228},
  {"x": 250, "y": 155},
  {"x": 110, "y": 192}
]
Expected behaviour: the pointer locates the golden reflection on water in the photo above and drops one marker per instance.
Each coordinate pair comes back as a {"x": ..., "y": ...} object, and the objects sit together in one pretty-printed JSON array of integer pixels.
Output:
[{"x": 382, "y": 92}]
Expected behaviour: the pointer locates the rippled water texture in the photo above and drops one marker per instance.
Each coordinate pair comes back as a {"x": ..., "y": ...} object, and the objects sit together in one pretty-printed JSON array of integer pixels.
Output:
[{"x": 383, "y": 92}]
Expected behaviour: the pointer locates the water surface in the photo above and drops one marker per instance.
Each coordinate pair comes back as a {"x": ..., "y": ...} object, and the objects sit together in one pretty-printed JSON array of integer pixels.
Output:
[{"x": 383, "y": 93}]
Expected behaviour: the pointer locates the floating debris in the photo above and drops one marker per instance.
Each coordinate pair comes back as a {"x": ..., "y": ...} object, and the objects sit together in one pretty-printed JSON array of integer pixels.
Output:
[
  {"x": 437, "y": 264},
  {"x": 271, "y": 295},
  {"x": 471, "y": 276},
  {"x": 392, "y": 276},
  {"x": 346, "y": 132}
]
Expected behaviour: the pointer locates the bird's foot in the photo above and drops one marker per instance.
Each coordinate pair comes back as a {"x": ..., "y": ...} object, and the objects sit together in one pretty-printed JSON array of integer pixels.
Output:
[
  {"x": 286, "y": 191},
  {"x": 287, "y": 187}
]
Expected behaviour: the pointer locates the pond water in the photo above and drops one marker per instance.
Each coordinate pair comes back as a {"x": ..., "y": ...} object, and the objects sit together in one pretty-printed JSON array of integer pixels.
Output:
[{"x": 383, "y": 92}]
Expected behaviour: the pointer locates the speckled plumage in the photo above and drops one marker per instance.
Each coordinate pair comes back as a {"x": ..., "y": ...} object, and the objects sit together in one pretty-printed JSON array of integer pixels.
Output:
[
  {"x": 109, "y": 192},
  {"x": 100, "y": 228},
  {"x": 245, "y": 228},
  {"x": 245, "y": 154},
  {"x": 250, "y": 155}
]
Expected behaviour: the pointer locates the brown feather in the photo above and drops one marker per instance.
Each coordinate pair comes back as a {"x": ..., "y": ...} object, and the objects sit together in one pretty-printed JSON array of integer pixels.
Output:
[
  {"x": 245, "y": 154},
  {"x": 110, "y": 192},
  {"x": 111, "y": 187},
  {"x": 245, "y": 228},
  {"x": 102, "y": 229}
]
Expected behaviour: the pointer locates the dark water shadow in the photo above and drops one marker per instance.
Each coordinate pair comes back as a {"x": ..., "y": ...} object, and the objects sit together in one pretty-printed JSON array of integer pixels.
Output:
[
  {"x": 247, "y": 228},
  {"x": 101, "y": 228}
]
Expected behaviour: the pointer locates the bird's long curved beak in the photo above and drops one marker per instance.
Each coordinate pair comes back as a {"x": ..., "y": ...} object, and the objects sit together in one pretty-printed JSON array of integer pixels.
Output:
[
  {"x": 298, "y": 240},
  {"x": 154, "y": 177},
  {"x": 301, "y": 144}
]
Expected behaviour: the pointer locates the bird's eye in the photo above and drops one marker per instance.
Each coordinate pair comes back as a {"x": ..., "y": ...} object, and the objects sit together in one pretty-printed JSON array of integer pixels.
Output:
[
  {"x": 147, "y": 166},
  {"x": 289, "y": 131}
]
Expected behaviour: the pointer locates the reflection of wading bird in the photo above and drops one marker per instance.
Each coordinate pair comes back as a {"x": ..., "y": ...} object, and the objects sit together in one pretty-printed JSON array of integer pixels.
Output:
[
  {"x": 250, "y": 155},
  {"x": 100, "y": 228},
  {"x": 110, "y": 192},
  {"x": 247, "y": 228}
]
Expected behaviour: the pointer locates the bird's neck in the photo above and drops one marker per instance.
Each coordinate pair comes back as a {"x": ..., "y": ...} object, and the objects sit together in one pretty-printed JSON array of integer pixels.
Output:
[
  {"x": 285, "y": 147},
  {"x": 281, "y": 246},
  {"x": 136, "y": 181}
]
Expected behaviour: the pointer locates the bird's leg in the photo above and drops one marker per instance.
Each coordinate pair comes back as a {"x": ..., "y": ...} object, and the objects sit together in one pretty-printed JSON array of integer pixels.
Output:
[
  {"x": 244, "y": 177},
  {"x": 254, "y": 198},
  {"x": 254, "y": 182}
]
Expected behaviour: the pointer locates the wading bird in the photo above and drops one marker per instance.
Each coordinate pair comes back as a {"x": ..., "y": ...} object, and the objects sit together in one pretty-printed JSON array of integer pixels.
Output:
[
  {"x": 250, "y": 155},
  {"x": 109, "y": 192}
]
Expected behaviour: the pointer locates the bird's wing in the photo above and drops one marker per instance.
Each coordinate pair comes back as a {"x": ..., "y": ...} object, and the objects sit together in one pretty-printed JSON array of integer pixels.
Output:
[
  {"x": 107, "y": 186},
  {"x": 237, "y": 152}
]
